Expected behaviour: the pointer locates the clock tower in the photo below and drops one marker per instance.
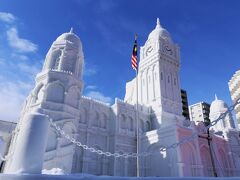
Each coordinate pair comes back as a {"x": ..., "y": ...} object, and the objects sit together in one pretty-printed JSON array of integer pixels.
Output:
[{"x": 158, "y": 77}]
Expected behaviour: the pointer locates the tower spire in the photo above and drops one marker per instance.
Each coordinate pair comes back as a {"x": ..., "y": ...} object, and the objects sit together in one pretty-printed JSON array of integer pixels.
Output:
[
  {"x": 216, "y": 98},
  {"x": 71, "y": 30},
  {"x": 158, "y": 23}
]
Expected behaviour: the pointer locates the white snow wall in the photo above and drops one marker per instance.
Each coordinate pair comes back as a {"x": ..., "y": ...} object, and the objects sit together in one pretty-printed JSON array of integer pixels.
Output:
[{"x": 30, "y": 145}]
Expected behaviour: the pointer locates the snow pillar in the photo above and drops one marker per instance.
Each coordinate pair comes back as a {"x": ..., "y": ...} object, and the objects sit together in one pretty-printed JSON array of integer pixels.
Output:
[{"x": 30, "y": 145}]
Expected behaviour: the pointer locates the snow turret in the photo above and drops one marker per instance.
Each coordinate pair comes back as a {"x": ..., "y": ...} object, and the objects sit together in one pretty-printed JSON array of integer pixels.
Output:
[
  {"x": 65, "y": 55},
  {"x": 58, "y": 87},
  {"x": 216, "y": 109}
]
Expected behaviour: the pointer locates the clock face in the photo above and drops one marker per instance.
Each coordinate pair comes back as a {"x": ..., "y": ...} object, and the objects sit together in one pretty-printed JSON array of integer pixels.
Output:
[
  {"x": 167, "y": 49},
  {"x": 149, "y": 50}
]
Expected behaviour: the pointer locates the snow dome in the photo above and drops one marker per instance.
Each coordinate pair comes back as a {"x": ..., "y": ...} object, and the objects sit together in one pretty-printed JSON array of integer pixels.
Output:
[
  {"x": 69, "y": 37},
  {"x": 218, "y": 106},
  {"x": 216, "y": 109},
  {"x": 158, "y": 32},
  {"x": 65, "y": 55}
]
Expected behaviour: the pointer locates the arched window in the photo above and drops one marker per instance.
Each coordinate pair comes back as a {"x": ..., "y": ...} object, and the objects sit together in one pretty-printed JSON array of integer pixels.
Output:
[
  {"x": 192, "y": 162},
  {"x": 57, "y": 63},
  {"x": 131, "y": 124},
  {"x": 95, "y": 120},
  {"x": 72, "y": 96},
  {"x": 77, "y": 165},
  {"x": 148, "y": 126},
  {"x": 206, "y": 161},
  {"x": 84, "y": 115},
  {"x": 142, "y": 125},
  {"x": 224, "y": 162},
  {"x": 189, "y": 160},
  {"x": 55, "y": 92},
  {"x": 161, "y": 75},
  {"x": 123, "y": 122},
  {"x": 69, "y": 60},
  {"x": 52, "y": 58},
  {"x": 103, "y": 122}
]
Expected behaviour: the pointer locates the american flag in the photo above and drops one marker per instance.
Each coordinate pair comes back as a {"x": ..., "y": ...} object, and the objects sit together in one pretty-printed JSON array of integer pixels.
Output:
[{"x": 134, "y": 55}]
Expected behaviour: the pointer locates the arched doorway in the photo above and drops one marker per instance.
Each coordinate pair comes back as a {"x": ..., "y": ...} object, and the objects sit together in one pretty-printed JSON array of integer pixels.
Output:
[
  {"x": 206, "y": 161},
  {"x": 157, "y": 161}
]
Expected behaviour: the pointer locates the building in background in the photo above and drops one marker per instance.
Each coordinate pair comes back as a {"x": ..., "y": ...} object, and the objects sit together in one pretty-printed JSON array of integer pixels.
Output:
[
  {"x": 234, "y": 87},
  {"x": 199, "y": 112},
  {"x": 185, "y": 110}
]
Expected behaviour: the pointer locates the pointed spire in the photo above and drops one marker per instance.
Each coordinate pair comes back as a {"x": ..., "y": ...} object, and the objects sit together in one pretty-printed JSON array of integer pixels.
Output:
[
  {"x": 135, "y": 36},
  {"x": 71, "y": 30},
  {"x": 216, "y": 98},
  {"x": 158, "y": 23}
]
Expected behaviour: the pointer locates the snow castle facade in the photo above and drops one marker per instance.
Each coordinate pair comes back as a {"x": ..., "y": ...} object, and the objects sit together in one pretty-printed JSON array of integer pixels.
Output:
[{"x": 58, "y": 95}]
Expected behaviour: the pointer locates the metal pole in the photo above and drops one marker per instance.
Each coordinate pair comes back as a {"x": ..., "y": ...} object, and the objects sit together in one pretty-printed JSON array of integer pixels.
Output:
[
  {"x": 137, "y": 118},
  {"x": 138, "y": 163},
  {"x": 211, "y": 155}
]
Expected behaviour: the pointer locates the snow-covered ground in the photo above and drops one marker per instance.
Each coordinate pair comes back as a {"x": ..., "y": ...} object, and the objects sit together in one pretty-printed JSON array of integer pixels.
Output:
[{"x": 91, "y": 177}]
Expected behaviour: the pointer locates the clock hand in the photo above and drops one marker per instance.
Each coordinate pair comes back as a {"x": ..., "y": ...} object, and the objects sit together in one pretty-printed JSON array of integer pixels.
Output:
[
  {"x": 169, "y": 49},
  {"x": 150, "y": 49}
]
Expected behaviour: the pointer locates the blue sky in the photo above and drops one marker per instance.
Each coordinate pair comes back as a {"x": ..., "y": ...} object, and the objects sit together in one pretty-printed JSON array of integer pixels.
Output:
[{"x": 206, "y": 31}]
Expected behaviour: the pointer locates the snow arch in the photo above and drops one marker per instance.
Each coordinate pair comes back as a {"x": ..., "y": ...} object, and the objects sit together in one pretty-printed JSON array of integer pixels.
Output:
[
  {"x": 189, "y": 155},
  {"x": 206, "y": 161},
  {"x": 72, "y": 96},
  {"x": 158, "y": 161},
  {"x": 55, "y": 92}
]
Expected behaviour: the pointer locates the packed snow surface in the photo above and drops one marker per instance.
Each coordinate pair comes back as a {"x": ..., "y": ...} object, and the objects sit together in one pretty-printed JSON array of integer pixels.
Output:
[
  {"x": 92, "y": 177},
  {"x": 56, "y": 171}
]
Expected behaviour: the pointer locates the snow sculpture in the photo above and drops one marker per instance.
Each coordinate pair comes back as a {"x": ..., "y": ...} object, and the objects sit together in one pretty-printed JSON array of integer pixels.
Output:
[
  {"x": 217, "y": 107},
  {"x": 58, "y": 93}
]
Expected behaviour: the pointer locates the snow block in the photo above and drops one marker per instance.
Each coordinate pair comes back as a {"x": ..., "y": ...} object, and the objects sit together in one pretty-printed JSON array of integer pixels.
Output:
[{"x": 30, "y": 145}]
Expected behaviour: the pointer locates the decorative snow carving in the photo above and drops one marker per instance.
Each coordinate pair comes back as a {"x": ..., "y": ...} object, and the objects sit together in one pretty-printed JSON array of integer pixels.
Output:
[
  {"x": 73, "y": 96},
  {"x": 55, "y": 92}
]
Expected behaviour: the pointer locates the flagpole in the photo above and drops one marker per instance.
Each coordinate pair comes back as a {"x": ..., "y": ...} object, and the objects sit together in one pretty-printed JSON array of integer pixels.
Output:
[
  {"x": 138, "y": 163},
  {"x": 137, "y": 118},
  {"x": 134, "y": 61}
]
